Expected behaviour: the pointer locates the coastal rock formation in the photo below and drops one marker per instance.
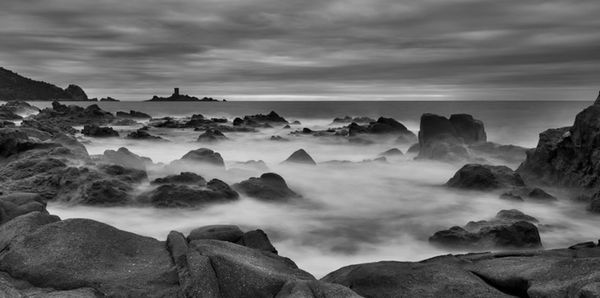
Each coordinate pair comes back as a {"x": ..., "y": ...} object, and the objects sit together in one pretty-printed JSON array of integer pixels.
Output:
[
  {"x": 133, "y": 114},
  {"x": 12, "y": 110},
  {"x": 300, "y": 157},
  {"x": 485, "y": 177},
  {"x": 181, "y": 178},
  {"x": 269, "y": 187},
  {"x": 383, "y": 126},
  {"x": 141, "y": 134},
  {"x": 552, "y": 273},
  {"x": 392, "y": 152},
  {"x": 348, "y": 119},
  {"x": 16, "y": 87},
  {"x": 260, "y": 120},
  {"x": 108, "y": 99},
  {"x": 125, "y": 158},
  {"x": 211, "y": 135},
  {"x": 62, "y": 115},
  {"x": 180, "y": 97},
  {"x": 203, "y": 155},
  {"x": 509, "y": 229},
  {"x": 189, "y": 195},
  {"x": 99, "y": 131},
  {"x": 256, "y": 239}
]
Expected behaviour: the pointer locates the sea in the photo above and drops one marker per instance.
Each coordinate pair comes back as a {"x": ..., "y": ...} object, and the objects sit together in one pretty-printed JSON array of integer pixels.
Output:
[{"x": 350, "y": 212}]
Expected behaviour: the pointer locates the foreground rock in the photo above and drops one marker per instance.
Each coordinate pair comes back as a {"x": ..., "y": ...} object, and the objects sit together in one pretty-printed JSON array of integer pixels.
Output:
[
  {"x": 509, "y": 229},
  {"x": 125, "y": 158},
  {"x": 13, "y": 110},
  {"x": 552, "y": 273},
  {"x": 300, "y": 157},
  {"x": 269, "y": 187}
]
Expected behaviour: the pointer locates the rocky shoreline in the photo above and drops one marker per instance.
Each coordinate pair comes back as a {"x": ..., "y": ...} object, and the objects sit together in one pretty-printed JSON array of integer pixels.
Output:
[{"x": 41, "y": 255}]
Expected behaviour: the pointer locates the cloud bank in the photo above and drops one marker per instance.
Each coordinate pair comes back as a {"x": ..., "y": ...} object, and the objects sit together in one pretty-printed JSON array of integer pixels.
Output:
[{"x": 311, "y": 49}]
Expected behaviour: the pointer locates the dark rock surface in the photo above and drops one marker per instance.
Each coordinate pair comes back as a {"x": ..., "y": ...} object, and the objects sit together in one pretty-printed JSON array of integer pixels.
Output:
[
  {"x": 141, "y": 134},
  {"x": 182, "y": 178},
  {"x": 392, "y": 152},
  {"x": 73, "y": 115},
  {"x": 12, "y": 109},
  {"x": 204, "y": 155},
  {"x": 189, "y": 195},
  {"x": 99, "y": 131},
  {"x": 229, "y": 233},
  {"x": 211, "y": 135},
  {"x": 16, "y": 87},
  {"x": 76, "y": 93},
  {"x": 269, "y": 187},
  {"x": 125, "y": 158},
  {"x": 383, "y": 126},
  {"x": 260, "y": 120},
  {"x": 348, "y": 119},
  {"x": 133, "y": 114},
  {"x": 485, "y": 177},
  {"x": 301, "y": 157}
]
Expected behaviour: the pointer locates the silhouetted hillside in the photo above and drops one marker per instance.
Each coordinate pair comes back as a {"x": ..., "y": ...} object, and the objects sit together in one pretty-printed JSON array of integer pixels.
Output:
[{"x": 16, "y": 87}]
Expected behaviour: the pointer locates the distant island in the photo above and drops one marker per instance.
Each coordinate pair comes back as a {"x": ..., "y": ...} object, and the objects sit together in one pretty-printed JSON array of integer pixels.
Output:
[{"x": 181, "y": 97}]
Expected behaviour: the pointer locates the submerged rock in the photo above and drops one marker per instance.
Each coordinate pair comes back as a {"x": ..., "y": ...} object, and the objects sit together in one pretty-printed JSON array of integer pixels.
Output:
[
  {"x": 211, "y": 135},
  {"x": 141, "y": 134},
  {"x": 485, "y": 177},
  {"x": 99, "y": 132},
  {"x": 204, "y": 155},
  {"x": 300, "y": 156},
  {"x": 269, "y": 187}
]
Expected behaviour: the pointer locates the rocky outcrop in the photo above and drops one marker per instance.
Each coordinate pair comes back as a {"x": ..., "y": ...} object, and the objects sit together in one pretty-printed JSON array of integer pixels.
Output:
[
  {"x": 203, "y": 155},
  {"x": 392, "y": 153},
  {"x": 182, "y": 178},
  {"x": 383, "y": 126},
  {"x": 260, "y": 120},
  {"x": 485, "y": 177},
  {"x": 348, "y": 119},
  {"x": 141, "y": 134},
  {"x": 133, "y": 114},
  {"x": 269, "y": 187},
  {"x": 256, "y": 239},
  {"x": 16, "y": 87},
  {"x": 300, "y": 157},
  {"x": 509, "y": 229},
  {"x": 125, "y": 158},
  {"x": 211, "y": 135},
  {"x": 73, "y": 115},
  {"x": 189, "y": 195},
  {"x": 13, "y": 110},
  {"x": 76, "y": 93}
]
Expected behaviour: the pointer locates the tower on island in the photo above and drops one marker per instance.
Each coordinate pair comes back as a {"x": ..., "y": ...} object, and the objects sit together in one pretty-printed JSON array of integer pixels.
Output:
[{"x": 176, "y": 92}]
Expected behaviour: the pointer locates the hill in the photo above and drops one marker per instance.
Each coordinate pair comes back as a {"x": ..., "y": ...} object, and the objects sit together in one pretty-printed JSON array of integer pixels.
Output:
[{"x": 16, "y": 87}]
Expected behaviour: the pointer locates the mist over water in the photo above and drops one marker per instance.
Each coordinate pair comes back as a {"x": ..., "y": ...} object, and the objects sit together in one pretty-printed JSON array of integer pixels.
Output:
[{"x": 355, "y": 212}]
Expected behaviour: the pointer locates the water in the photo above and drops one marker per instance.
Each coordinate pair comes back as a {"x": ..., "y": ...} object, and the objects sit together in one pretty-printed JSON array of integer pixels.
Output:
[{"x": 351, "y": 212}]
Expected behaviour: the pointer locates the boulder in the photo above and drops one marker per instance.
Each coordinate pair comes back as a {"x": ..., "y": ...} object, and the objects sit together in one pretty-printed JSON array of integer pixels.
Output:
[
  {"x": 229, "y": 233},
  {"x": 78, "y": 253},
  {"x": 260, "y": 119},
  {"x": 468, "y": 128},
  {"x": 179, "y": 195},
  {"x": 73, "y": 115},
  {"x": 211, "y": 135},
  {"x": 126, "y": 158},
  {"x": 485, "y": 177},
  {"x": 99, "y": 132},
  {"x": 257, "y": 239},
  {"x": 133, "y": 114},
  {"x": 301, "y": 157},
  {"x": 204, "y": 155},
  {"x": 269, "y": 187},
  {"x": 392, "y": 152},
  {"x": 181, "y": 178},
  {"x": 521, "y": 234},
  {"x": 76, "y": 93},
  {"x": 143, "y": 135}
]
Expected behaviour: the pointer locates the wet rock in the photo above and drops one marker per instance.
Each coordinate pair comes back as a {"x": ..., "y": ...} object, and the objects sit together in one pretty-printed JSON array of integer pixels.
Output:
[
  {"x": 179, "y": 195},
  {"x": 229, "y": 233},
  {"x": 99, "y": 132},
  {"x": 143, "y": 135},
  {"x": 392, "y": 152},
  {"x": 72, "y": 115},
  {"x": 521, "y": 234},
  {"x": 595, "y": 204},
  {"x": 211, "y": 135},
  {"x": 204, "y": 155},
  {"x": 59, "y": 255},
  {"x": 182, "y": 178},
  {"x": 485, "y": 177},
  {"x": 126, "y": 158},
  {"x": 269, "y": 187},
  {"x": 133, "y": 114},
  {"x": 300, "y": 156}
]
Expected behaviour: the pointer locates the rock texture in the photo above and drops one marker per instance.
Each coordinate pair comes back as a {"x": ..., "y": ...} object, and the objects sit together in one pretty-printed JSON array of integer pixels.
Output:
[
  {"x": 300, "y": 157},
  {"x": 485, "y": 177},
  {"x": 99, "y": 131},
  {"x": 268, "y": 187}
]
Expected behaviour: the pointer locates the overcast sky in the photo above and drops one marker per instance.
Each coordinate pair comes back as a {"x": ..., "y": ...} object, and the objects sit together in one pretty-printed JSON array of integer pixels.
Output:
[{"x": 309, "y": 49}]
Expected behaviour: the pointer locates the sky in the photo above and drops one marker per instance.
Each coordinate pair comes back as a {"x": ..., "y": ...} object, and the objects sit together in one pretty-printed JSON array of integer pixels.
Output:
[{"x": 309, "y": 49}]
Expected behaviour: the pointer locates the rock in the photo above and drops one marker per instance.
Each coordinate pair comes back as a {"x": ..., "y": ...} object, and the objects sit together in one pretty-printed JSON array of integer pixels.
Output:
[
  {"x": 383, "y": 126},
  {"x": 269, "y": 187},
  {"x": 246, "y": 272},
  {"x": 108, "y": 99},
  {"x": 77, "y": 253},
  {"x": 76, "y": 93},
  {"x": 435, "y": 278},
  {"x": 12, "y": 110},
  {"x": 99, "y": 132},
  {"x": 514, "y": 215},
  {"x": 595, "y": 203},
  {"x": 143, "y": 135},
  {"x": 179, "y": 195},
  {"x": 485, "y": 177},
  {"x": 133, "y": 114},
  {"x": 61, "y": 115},
  {"x": 414, "y": 148},
  {"x": 521, "y": 234},
  {"x": 520, "y": 193},
  {"x": 303, "y": 288},
  {"x": 259, "y": 119},
  {"x": 182, "y": 178},
  {"x": 507, "y": 153},
  {"x": 211, "y": 135},
  {"x": 126, "y": 158},
  {"x": 257, "y": 239},
  {"x": 204, "y": 155},
  {"x": 348, "y": 119},
  {"x": 278, "y": 139},
  {"x": 468, "y": 128},
  {"x": 229, "y": 233},
  {"x": 300, "y": 156},
  {"x": 392, "y": 152}
]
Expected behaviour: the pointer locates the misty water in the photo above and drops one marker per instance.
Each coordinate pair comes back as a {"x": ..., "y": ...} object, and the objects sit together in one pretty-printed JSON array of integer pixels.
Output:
[{"x": 350, "y": 212}]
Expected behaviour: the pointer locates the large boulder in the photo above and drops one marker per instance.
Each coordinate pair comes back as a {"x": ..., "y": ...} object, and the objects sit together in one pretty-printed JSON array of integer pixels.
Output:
[
  {"x": 229, "y": 233},
  {"x": 181, "y": 178},
  {"x": 300, "y": 157},
  {"x": 99, "y": 131},
  {"x": 14, "y": 110},
  {"x": 447, "y": 138},
  {"x": 383, "y": 126},
  {"x": 78, "y": 253},
  {"x": 125, "y": 158},
  {"x": 485, "y": 177},
  {"x": 73, "y": 115},
  {"x": 179, "y": 195},
  {"x": 204, "y": 155},
  {"x": 269, "y": 187},
  {"x": 521, "y": 234}
]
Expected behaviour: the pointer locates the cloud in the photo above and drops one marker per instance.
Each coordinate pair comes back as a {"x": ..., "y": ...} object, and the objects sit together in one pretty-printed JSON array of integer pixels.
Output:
[{"x": 338, "y": 48}]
